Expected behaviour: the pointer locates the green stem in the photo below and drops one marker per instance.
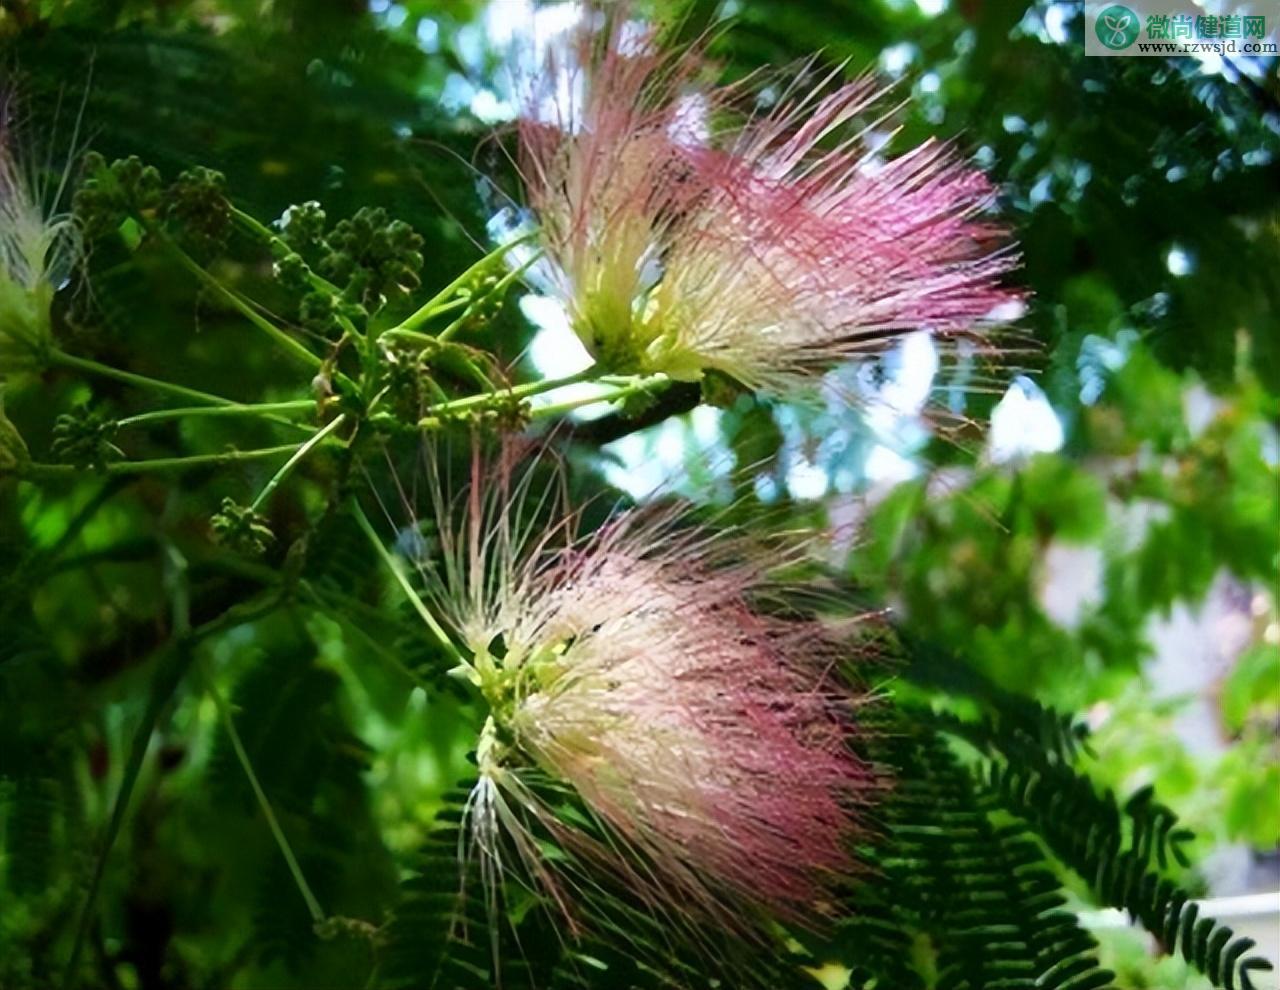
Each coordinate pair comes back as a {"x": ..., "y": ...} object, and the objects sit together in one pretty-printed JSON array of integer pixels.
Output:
[
  {"x": 260, "y": 230},
  {"x": 158, "y": 465},
  {"x": 243, "y": 306},
  {"x": 428, "y": 340},
  {"x": 415, "y": 600},
  {"x": 235, "y": 409},
  {"x": 256, "y": 227},
  {"x": 432, "y": 306},
  {"x": 460, "y": 303},
  {"x": 516, "y": 392},
  {"x": 297, "y": 457},
  {"x": 636, "y": 388},
  {"x": 228, "y": 723},
  {"x": 65, "y": 360},
  {"x": 497, "y": 290},
  {"x": 414, "y": 335}
]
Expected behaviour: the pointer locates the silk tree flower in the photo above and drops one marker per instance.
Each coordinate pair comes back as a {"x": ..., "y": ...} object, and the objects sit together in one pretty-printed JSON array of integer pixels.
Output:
[
  {"x": 683, "y": 236},
  {"x": 631, "y": 665},
  {"x": 38, "y": 245}
]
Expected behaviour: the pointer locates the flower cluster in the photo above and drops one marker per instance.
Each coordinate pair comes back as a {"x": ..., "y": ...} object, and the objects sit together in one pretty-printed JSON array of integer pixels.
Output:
[
  {"x": 636, "y": 673},
  {"x": 634, "y": 665},
  {"x": 38, "y": 245},
  {"x": 684, "y": 236}
]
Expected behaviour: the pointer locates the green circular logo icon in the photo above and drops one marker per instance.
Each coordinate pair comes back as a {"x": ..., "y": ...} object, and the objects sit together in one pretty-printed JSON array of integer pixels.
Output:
[{"x": 1117, "y": 27}]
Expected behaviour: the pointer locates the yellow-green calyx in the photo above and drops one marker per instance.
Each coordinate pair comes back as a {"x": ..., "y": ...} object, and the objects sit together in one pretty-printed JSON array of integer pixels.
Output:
[
  {"x": 505, "y": 679},
  {"x": 25, "y": 327},
  {"x": 626, "y": 344}
]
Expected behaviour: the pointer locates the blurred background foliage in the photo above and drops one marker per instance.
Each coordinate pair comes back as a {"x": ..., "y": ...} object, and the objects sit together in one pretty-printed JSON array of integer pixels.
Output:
[{"x": 1089, "y": 513}]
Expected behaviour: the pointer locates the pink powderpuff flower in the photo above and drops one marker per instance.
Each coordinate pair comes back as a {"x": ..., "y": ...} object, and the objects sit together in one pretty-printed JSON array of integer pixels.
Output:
[
  {"x": 683, "y": 236},
  {"x": 605, "y": 180},
  {"x": 708, "y": 737}
]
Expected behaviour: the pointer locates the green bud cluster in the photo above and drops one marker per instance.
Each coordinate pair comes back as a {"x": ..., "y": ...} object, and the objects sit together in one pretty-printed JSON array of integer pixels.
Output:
[
  {"x": 242, "y": 528},
  {"x": 84, "y": 437},
  {"x": 109, "y": 194},
  {"x": 505, "y": 414},
  {"x": 368, "y": 258},
  {"x": 485, "y": 301},
  {"x": 500, "y": 413},
  {"x": 196, "y": 206},
  {"x": 302, "y": 227},
  {"x": 318, "y": 311},
  {"x": 292, "y": 272},
  {"x": 406, "y": 374},
  {"x": 373, "y": 257}
]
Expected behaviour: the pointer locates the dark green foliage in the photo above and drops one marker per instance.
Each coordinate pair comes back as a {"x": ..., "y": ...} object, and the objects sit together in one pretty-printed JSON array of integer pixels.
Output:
[
  {"x": 31, "y": 828},
  {"x": 440, "y": 937},
  {"x": 1120, "y": 851},
  {"x": 1088, "y": 833},
  {"x": 973, "y": 902},
  {"x": 295, "y": 737},
  {"x": 37, "y": 750},
  {"x": 443, "y": 937},
  {"x": 976, "y": 892},
  {"x": 287, "y": 712}
]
